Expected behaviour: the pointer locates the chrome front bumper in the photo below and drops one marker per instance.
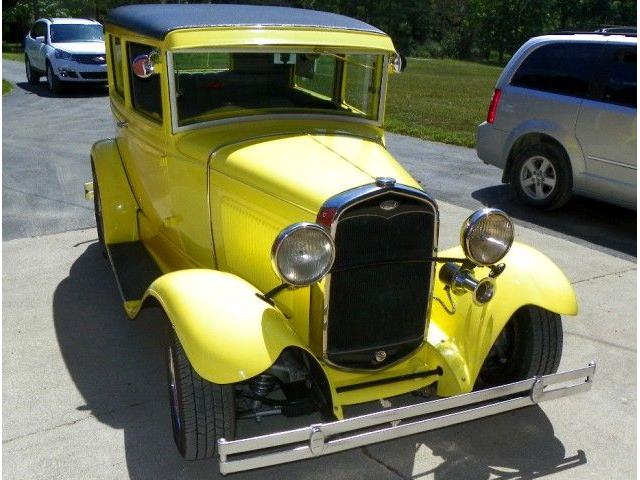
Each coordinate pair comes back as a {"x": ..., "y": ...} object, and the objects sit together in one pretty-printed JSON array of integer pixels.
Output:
[{"x": 325, "y": 438}]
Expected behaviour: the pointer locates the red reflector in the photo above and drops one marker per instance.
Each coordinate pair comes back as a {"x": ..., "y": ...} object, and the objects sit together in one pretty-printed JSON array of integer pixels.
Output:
[
  {"x": 493, "y": 106},
  {"x": 326, "y": 216}
]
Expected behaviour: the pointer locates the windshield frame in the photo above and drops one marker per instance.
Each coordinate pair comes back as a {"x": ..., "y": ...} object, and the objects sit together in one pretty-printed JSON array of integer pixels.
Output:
[
  {"x": 96, "y": 26},
  {"x": 176, "y": 127}
]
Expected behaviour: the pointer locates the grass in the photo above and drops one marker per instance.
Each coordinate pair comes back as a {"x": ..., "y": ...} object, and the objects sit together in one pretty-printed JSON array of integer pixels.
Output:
[
  {"x": 12, "y": 51},
  {"x": 6, "y": 87},
  {"x": 440, "y": 100}
]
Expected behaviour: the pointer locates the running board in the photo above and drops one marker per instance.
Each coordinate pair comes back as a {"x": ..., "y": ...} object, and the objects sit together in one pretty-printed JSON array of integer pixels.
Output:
[
  {"x": 325, "y": 438},
  {"x": 134, "y": 269}
]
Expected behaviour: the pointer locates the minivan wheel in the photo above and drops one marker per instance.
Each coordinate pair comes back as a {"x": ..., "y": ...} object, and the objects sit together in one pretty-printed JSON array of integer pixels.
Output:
[
  {"x": 33, "y": 76},
  {"x": 541, "y": 176}
]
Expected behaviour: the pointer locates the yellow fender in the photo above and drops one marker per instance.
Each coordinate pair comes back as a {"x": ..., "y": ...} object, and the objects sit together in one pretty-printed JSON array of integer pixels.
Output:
[
  {"x": 228, "y": 333},
  {"x": 119, "y": 207},
  {"x": 464, "y": 339}
]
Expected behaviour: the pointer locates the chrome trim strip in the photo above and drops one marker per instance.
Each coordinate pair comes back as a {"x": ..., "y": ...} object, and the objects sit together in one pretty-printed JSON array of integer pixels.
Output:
[
  {"x": 349, "y": 199},
  {"x": 315, "y": 440},
  {"x": 612, "y": 162}
]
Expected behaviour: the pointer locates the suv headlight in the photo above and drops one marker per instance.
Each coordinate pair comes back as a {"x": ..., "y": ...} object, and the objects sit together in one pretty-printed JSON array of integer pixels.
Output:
[
  {"x": 486, "y": 236},
  {"x": 302, "y": 254},
  {"x": 63, "y": 55}
]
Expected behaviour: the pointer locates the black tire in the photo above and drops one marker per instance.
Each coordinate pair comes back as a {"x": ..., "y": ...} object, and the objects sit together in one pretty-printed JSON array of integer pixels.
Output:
[
  {"x": 201, "y": 411},
  {"x": 97, "y": 209},
  {"x": 535, "y": 168},
  {"x": 529, "y": 345},
  {"x": 33, "y": 75},
  {"x": 53, "y": 82}
]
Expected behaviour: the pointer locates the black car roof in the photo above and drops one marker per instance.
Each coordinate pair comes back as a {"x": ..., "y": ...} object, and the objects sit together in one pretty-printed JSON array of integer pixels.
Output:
[{"x": 156, "y": 20}]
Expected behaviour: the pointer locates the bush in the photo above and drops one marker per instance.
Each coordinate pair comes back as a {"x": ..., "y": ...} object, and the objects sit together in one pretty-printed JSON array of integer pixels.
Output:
[{"x": 429, "y": 49}]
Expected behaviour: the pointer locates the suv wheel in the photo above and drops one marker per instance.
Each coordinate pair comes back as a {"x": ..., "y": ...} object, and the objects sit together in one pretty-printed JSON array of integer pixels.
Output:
[
  {"x": 53, "y": 82},
  {"x": 33, "y": 76},
  {"x": 541, "y": 176}
]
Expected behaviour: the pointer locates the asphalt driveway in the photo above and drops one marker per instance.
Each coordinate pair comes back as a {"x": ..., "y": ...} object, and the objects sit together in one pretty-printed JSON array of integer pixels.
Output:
[{"x": 84, "y": 389}]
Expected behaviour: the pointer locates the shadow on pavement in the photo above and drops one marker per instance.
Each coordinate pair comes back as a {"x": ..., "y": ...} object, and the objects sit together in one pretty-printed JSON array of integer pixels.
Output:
[
  {"x": 515, "y": 445},
  {"x": 80, "y": 90},
  {"x": 590, "y": 220},
  {"x": 118, "y": 366}
]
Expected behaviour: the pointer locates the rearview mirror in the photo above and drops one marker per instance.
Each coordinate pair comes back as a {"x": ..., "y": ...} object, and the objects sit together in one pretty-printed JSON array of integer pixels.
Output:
[
  {"x": 40, "y": 39},
  {"x": 144, "y": 65}
]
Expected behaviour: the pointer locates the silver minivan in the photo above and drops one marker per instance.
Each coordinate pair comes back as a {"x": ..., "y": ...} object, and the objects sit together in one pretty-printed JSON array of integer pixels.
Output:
[{"x": 562, "y": 120}]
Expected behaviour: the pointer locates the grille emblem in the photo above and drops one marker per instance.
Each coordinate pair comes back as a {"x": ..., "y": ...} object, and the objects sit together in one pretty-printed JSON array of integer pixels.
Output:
[
  {"x": 389, "y": 205},
  {"x": 380, "y": 356}
]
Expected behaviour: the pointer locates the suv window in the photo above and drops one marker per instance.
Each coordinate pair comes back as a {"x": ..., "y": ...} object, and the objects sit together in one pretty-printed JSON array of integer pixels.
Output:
[
  {"x": 563, "y": 68},
  {"x": 38, "y": 30},
  {"x": 145, "y": 92},
  {"x": 622, "y": 82}
]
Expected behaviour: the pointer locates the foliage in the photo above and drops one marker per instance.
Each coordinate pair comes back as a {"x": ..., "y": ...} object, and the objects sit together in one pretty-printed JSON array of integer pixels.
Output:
[
  {"x": 441, "y": 100},
  {"x": 465, "y": 29},
  {"x": 6, "y": 87}
]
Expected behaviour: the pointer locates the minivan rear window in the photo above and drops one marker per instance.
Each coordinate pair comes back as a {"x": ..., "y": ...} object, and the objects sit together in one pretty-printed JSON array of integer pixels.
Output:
[{"x": 563, "y": 68}]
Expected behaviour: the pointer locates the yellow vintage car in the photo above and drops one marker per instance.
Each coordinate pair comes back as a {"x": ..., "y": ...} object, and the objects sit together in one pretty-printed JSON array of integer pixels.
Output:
[{"x": 249, "y": 195}]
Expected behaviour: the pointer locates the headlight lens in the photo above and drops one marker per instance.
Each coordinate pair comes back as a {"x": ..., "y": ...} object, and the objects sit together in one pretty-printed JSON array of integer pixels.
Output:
[
  {"x": 302, "y": 254},
  {"x": 64, "y": 55},
  {"x": 487, "y": 236}
]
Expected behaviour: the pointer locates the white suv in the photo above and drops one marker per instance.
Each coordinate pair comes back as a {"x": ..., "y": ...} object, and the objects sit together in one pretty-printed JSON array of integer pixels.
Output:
[
  {"x": 66, "y": 50},
  {"x": 562, "y": 119}
]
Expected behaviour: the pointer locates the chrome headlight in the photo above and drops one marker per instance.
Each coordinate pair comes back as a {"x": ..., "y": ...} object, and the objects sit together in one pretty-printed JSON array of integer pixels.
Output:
[
  {"x": 486, "y": 236},
  {"x": 302, "y": 254}
]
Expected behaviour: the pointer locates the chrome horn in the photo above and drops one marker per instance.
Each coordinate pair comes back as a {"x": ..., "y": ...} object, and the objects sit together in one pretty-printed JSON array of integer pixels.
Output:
[{"x": 461, "y": 280}]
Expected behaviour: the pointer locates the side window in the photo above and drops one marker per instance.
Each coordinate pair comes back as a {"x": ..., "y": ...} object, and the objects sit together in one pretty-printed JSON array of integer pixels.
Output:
[
  {"x": 38, "y": 30},
  {"x": 145, "y": 92},
  {"x": 621, "y": 86},
  {"x": 116, "y": 62},
  {"x": 563, "y": 68}
]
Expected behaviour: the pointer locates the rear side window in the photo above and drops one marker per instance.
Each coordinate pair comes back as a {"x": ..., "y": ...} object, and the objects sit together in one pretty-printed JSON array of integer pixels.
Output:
[
  {"x": 621, "y": 86},
  {"x": 116, "y": 62},
  {"x": 563, "y": 68},
  {"x": 145, "y": 92}
]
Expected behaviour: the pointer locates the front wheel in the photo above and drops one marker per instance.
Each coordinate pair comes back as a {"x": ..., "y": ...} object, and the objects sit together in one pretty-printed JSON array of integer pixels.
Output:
[
  {"x": 529, "y": 345},
  {"x": 541, "y": 176},
  {"x": 201, "y": 411},
  {"x": 33, "y": 76},
  {"x": 53, "y": 82}
]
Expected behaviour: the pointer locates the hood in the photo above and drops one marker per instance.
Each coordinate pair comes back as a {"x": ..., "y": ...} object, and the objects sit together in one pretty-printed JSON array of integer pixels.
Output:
[
  {"x": 81, "y": 47},
  {"x": 307, "y": 169}
]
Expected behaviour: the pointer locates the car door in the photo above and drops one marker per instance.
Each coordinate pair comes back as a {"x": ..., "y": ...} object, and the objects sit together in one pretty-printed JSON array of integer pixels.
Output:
[
  {"x": 35, "y": 48},
  {"x": 606, "y": 129},
  {"x": 142, "y": 142}
]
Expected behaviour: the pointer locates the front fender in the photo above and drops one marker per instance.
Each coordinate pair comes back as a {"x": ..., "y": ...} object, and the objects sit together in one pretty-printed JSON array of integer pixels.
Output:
[
  {"x": 530, "y": 278},
  {"x": 228, "y": 333}
]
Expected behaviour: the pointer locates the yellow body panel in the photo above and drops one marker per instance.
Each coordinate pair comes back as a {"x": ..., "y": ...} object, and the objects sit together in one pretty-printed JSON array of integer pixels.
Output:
[
  {"x": 207, "y": 204},
  {"x": 119, "y": 208}
]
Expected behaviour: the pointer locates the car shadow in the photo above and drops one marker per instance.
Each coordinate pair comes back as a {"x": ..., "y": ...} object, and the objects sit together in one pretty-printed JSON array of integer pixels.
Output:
[
  {"x": 584, "y": 218},
  {"x": 118, "y": 366},
  {"x": 80, "y": 90}
]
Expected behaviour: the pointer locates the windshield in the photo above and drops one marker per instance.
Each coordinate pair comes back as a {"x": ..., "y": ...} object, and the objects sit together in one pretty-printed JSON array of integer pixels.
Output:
[
  {"x": 76, "y": 33},
  {"x": 215, "y": 85}
]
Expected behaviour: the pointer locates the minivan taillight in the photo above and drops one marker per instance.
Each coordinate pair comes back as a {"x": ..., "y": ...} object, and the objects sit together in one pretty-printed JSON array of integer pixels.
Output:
[{"x": 493, "y": 106}]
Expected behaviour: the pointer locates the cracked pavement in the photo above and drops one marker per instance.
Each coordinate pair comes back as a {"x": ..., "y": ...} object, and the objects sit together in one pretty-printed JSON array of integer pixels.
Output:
[{"x": 84, "y": 390}]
